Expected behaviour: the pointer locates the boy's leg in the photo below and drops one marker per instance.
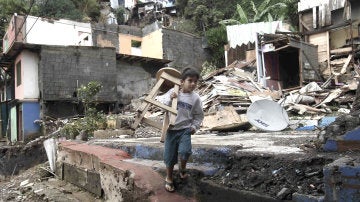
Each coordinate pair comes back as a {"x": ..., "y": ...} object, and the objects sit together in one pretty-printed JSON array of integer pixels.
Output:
[
  {"x": 170, "y": 158},
  {"x": 182, "y": 169},
  {"x": 169, "y": 173},
  {"x": 184, "y": 151},
  {"x": 169, "y": 183}
]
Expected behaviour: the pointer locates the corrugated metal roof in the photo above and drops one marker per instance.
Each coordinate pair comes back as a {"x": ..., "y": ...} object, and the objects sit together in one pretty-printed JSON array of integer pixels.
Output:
[{"x": 245, "y": 33}]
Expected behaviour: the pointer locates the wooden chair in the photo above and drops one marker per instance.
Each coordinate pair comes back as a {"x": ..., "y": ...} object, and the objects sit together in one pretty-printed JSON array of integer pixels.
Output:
[{"x": 167, "y": 78}]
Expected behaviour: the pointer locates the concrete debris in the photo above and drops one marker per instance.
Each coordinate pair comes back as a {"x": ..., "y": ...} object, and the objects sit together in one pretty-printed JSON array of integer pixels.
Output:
[
  {"x": 283, "y": 193},
  {"x": 31, "y": 185},
  {"x": 234, "y": 86},
  {"x": 25, "y": 182}
]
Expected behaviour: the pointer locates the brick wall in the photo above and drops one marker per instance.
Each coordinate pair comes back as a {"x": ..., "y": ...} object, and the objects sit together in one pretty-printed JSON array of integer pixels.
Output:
[{"x": 63, "y": 69}]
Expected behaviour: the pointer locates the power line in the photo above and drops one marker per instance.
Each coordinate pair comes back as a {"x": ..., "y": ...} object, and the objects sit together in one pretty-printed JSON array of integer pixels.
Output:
[
  {"x": 34, "y": 22},
  {"x": 31, "y": 5}
]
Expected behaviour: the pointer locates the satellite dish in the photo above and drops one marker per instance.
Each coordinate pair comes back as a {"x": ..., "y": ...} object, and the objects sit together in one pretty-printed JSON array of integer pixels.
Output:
[{"x": 267, "y": 115}]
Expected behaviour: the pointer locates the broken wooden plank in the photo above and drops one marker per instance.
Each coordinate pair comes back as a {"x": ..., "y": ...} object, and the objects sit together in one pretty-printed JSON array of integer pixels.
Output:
[
  {"x": 348, "y": 60},
  {"x": 344, "y": 68},
  {"x": 304, "y": 108},
  {"x": 252, "y": 81},
  {"x": 337, "y": 62},
  {"x": 225, "y": 119},
  {"x": 341, "y": 51},
  {"x": 332, "y": 95}
]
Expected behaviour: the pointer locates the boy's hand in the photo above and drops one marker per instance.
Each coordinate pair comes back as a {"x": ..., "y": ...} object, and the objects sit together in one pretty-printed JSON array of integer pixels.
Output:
[
  {"x": 173, "y": 95},
  {"x": 192, "y": 130}
]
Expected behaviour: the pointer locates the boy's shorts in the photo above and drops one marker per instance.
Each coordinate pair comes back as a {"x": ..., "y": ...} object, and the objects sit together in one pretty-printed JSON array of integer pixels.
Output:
[{"x": 177, "y": 141}]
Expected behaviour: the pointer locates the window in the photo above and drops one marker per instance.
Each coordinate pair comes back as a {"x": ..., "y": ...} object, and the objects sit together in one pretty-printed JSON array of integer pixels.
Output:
[
  {"x": 135, "y": 44},
  {"x": 18, "y": 73}
]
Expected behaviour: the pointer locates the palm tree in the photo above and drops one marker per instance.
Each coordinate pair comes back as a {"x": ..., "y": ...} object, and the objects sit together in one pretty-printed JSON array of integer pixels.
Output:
[{"x": 264, "y": 12}]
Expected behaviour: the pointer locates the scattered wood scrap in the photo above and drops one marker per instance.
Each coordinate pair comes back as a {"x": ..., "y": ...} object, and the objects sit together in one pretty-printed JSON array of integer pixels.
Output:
[{"x": 225, "y": 119}]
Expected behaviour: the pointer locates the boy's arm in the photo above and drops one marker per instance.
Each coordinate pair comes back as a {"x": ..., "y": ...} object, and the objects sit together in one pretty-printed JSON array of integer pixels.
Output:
[
  {"x": 198, "y": 115},
  {"x": 166, "y": 98}
]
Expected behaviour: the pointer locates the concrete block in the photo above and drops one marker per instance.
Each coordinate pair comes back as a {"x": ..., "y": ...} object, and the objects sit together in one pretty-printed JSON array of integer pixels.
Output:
[
  {"x": 342, "y": 180},
  {"x": 81, "y": 159},
  {"x": 330, "y": 145},
  {"x": 296, "y": 197},
  {"x": 119, "y": 180},
  {"x": 353, "y": 135},
  {"x": 87, "y": 179},
  {"x": 105, "y": 134}
]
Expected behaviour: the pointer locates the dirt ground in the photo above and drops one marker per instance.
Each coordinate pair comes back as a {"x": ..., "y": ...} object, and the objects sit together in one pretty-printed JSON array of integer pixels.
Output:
[{"x": 275, "y": 177}]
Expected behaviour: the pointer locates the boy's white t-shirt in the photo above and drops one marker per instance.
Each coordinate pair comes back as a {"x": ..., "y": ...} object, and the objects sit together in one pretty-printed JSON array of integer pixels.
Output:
[{"x": 189, "y": 107}]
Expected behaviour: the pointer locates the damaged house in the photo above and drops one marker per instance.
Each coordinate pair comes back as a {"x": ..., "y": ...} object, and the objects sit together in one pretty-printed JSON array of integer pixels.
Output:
[
  {"x": 334, "y": 27},
  {"x": 40, "y": 75},
  {"x": 282, "y": 61},
  {"x": 152, "y": 47},
  {"x": 150, "y": 11},
  {"x": 43, "y": 74}
]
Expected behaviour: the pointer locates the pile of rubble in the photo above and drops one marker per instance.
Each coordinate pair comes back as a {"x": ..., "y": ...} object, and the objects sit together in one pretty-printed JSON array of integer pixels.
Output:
[{"x": 233, "y": 88}]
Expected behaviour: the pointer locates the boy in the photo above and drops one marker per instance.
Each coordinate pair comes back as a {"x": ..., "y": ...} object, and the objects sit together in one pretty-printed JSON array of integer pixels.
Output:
[{"x": 188, "y": 120}]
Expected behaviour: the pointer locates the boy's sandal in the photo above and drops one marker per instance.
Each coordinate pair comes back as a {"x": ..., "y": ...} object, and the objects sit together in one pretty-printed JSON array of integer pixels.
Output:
[
  {"x": 183, "y": 175},
  {"x": 169, "y": 186}
]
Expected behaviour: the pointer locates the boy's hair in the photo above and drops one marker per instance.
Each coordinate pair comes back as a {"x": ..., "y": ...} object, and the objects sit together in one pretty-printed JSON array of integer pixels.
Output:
[{"x": 189, "y": 72}]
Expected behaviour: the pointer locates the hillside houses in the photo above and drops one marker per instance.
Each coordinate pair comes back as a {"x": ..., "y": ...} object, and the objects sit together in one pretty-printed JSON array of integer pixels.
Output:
[{"x": 44, "y": 61}]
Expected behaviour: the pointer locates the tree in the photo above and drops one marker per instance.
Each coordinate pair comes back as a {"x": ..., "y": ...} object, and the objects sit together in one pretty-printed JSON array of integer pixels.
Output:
[
  {"x": 216, "y": 38},
  {"x": 266, "y": 11},
  {"x": 88, "y": 8},
  {"x": 59, "y": 9},
  {"x": 119, "y": 13},
  {"x": 203, "y": 13},
  {"x": 93, "y": 120}
]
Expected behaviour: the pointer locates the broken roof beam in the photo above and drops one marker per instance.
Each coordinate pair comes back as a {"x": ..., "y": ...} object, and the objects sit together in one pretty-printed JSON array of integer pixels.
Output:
[
  {"x": 344, "y": 68},
  {"x": 276, "y": 40},
  {"x": 283, "y": 47}
]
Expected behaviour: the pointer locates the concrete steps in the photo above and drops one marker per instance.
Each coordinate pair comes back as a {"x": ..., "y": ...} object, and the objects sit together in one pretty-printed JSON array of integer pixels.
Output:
[
  {"x": 113, "y": 174},
  {"x": 109, "y": 172}
]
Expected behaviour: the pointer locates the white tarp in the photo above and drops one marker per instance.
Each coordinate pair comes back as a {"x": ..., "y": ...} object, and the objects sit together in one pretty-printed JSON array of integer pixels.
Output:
[{"x": 245, "y": 33}]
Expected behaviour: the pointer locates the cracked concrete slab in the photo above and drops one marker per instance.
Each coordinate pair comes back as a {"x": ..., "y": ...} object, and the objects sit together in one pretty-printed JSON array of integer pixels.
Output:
[{"x": 286, "y": 142}]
